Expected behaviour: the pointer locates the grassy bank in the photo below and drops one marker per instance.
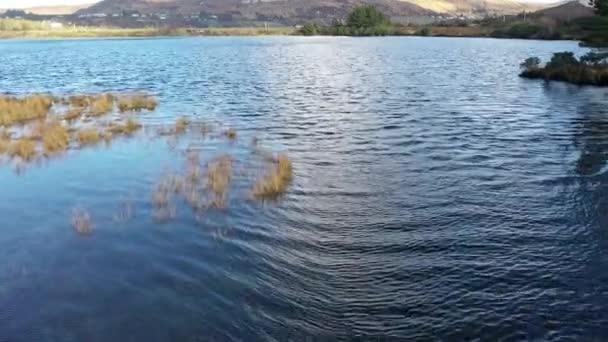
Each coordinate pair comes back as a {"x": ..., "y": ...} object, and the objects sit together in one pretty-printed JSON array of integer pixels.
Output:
[{"x": 16, "y": 28}]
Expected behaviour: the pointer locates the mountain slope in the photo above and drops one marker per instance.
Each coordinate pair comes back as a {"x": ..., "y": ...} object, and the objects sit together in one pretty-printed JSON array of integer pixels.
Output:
[
  {"x": 56, "y": 10},
  {"x": 252, "y": 9},
  {"x": 480, "y": 7}
]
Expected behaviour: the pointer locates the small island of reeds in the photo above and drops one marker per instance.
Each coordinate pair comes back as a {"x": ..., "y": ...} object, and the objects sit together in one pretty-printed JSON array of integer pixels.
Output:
[{"x": 590, "y": 69}]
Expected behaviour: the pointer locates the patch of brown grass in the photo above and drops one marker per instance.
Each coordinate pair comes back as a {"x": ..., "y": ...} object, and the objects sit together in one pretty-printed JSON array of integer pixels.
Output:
[
  {"x": 101, "y": 104},
  {"x": 276, "y": 180},
  {"x": 24, "y": 148},
  {"x": 88, "y": 136},
  {"x": 137, "y": 103},
  {"x": 218, "y": 180},
  {"x": 5, "y": 141},
  {"x": 127, "y": 128},
  {"x": 81, "y": 221},
  {"x": 18, "y": 110},
  {"x": 55, "y": 138},
  {"x": 79, "y": 101},
  {"x": 230, "y": 133},
  {"x": 181, "y": 124},
  {"x": 73, "y": 114}
]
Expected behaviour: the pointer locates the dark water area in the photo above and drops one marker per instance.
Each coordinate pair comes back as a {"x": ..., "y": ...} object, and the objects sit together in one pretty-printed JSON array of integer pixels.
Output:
[{"x": 436, "y": 196}]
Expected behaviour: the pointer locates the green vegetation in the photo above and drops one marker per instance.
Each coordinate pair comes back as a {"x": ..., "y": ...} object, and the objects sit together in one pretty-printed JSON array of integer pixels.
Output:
[
  {"x": 591, "y": 69},
  {"x": 362, "y": 21}
]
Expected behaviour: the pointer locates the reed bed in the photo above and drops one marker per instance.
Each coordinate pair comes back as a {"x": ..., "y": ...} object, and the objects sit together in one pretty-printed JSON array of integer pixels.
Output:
[{"x": 15, "y": 110}]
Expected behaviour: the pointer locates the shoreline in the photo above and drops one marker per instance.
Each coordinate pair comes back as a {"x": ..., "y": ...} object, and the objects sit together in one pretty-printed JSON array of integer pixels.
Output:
[{"x": 223, "y": 32}]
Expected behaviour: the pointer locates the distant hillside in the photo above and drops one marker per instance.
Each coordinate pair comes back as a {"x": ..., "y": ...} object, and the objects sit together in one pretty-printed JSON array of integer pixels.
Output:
[
  {"x": 476, "y": 7},
  {"x": 566, "y": 12},
  {"x": 56, "y": 10},
  {"x": 292, "y": 11}
]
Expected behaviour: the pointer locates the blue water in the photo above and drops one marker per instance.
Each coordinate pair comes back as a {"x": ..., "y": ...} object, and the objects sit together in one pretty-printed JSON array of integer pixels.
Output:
[{"x": 436, "y": 196}]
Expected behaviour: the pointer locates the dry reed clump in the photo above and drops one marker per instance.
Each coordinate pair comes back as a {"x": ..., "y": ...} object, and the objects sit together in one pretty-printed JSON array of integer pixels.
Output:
[
  {"x": 180, "y": 126},
  {"x": 23, "y": 148},
  {"x": 126, "y": 211},
  {"x": 18, "y": 110},
  {"x": 55, "y": 138},
  {"x": 79, "y": 101},
  {"x": 137, "y": 103},
  {"x": 161, "y": 202},
  {"x": 81, "y": 221},
  {"x": 88, "y": 136},
  {"x": 101, "y": 104},
  {"x": 276, "y": 180},
  {"x": 230, "y": 133},
  {"x": 5, "y": 141},
  {"x": 127, "y": 128},
  {"x": 73, "y": 114},
  {"x": 218, "y": 180}
]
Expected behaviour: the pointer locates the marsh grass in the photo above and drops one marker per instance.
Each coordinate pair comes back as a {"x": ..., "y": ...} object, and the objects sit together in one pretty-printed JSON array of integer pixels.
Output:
[
  {"x": 180, "y": 125},
  {"x": 101, "y": 105},
  {"x": 126, "y": 211},
  {"x": 130, "y": 103},
  {"x": 218, "y": 180},
  {"x": 126, "y": 128},
  {"x": 5, "y": 141},
  {"x": 230, "y": 133},
  {"x": 276, "y": 180},
  {"x": 89, "y": 136},
  {"x": 73, "y": 114},
  {"x": 15, "y": 110},
  {"x": 179, "y": 128},
  {"x": 24, "y": 148},
  {"x": 81, "y": 221},
  {"x": 55, "y": 138}
]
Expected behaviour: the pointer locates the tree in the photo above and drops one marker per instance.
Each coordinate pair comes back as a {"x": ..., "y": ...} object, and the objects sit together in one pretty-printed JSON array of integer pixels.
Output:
[
  {"x": 601, "y": 6},
  {"x": 365, "y": 17}
]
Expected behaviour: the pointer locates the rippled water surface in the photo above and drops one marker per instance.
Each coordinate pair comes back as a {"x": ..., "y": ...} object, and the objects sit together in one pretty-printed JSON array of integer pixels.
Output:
[{"x": 436, "y": 196}]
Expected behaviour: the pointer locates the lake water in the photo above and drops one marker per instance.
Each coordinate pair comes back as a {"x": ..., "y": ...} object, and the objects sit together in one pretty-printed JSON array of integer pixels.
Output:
[{"x": 436, "y": 195}]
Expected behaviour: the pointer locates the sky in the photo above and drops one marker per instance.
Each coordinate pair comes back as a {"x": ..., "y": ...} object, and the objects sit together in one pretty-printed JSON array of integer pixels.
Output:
[{"x": 33, "y": 3}]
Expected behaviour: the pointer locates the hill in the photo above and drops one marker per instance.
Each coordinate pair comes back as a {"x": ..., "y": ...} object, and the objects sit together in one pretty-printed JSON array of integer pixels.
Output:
[
  {"x": 476, "y": 7},
  {"x": 284, "y": 11},
  {"x": 566, "y": 12},
  {"x": 56, "y": 10}
]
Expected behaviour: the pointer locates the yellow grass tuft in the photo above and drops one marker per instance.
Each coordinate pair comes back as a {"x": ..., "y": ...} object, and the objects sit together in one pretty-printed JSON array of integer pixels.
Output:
[
  {"x": 180, "y": 125},
  {"x": 277, "y": 179},
  {"x": 24, "y": 148},
  {"x": 101, "y": 104},
  {"x": 88, "y": 136},
  {"x": 73, "y": 114},
  {"x": 55, "y": 138},
  {"x": 230, "y": 133},
  {"x": 79, "y": 101},
  {"x": 218, "y": 179},
  {"x": 136, "y": 103},
  {"x": 127, "y": 128},
  {"x": 5, "y": 141},
  {"x": 18, "y": 110}
]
